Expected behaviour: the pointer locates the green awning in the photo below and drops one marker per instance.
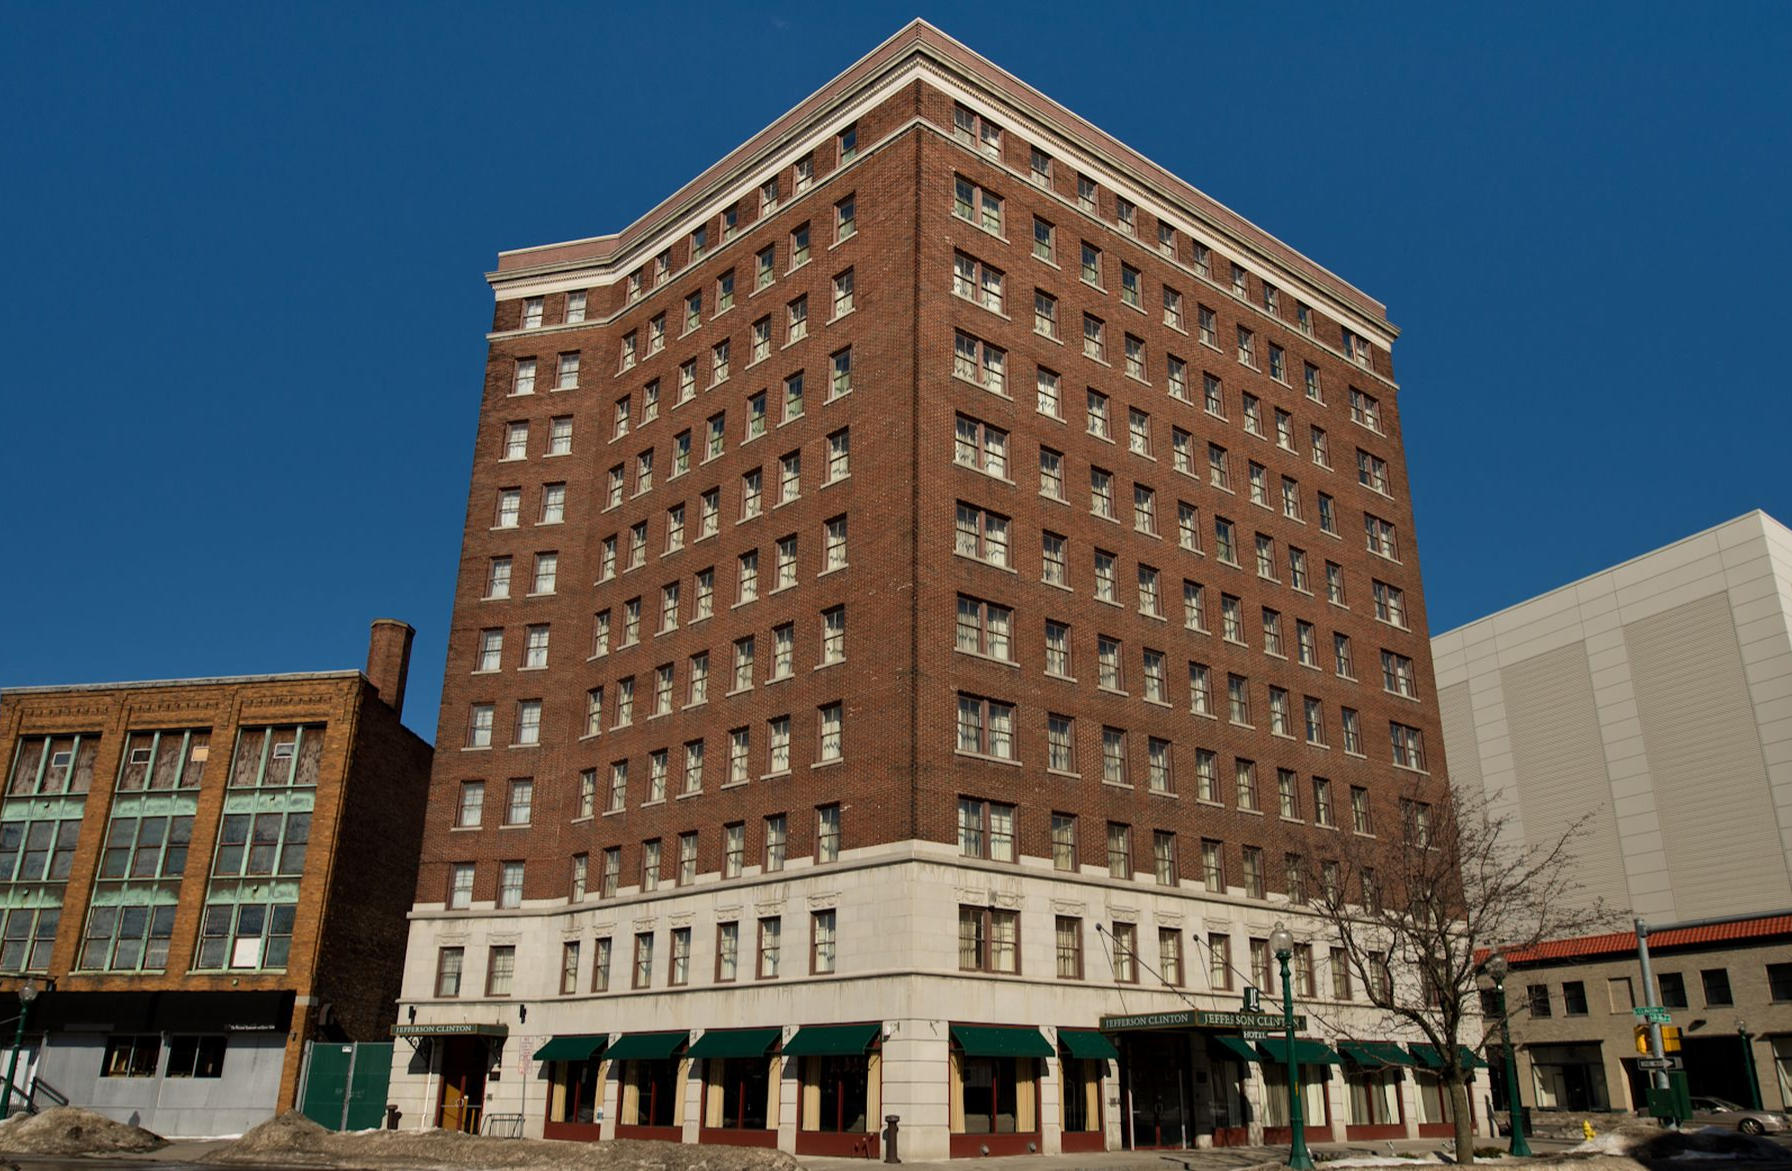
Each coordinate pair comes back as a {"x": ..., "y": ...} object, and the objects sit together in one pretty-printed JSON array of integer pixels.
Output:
[
  {"x": 985, "y": 1041},
  {"x": 645, "y": 1046},
  {"x": 1375, "y": 1054},
  {"x": 1306, "y": 1052},
  {"x": 831, "y": 1040},
  {"x": 1430, "y": 1058},
  {"x": 1241, "y": 1049},
  {"x": 572, "y": 1047},
  {"x": 736, "y": 1042},
  {"x": 1087, "y": 1044}
]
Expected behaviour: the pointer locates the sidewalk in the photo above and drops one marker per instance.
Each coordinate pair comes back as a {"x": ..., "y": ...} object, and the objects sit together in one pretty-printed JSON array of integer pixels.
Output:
[{"x": 1215, "y": 1159}]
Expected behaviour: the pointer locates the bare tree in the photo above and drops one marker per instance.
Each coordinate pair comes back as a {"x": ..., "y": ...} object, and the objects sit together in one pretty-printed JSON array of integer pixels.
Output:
[{"x": 1417, "y": 907}]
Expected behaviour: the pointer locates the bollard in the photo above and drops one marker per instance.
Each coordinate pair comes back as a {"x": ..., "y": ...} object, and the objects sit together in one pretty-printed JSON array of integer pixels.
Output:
[
  {"x": 891, "y": 1123},
  {"x": 393, "y": 1114}
]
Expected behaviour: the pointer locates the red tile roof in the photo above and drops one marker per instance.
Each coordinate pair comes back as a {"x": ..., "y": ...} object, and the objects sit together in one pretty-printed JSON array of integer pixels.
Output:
[{"x": 1624, "y": 942}]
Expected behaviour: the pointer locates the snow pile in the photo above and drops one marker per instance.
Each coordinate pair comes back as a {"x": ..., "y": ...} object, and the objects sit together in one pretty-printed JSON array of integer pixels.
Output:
[
  {"x": 293, "y": 1140},
  {"x": 70, "y": 1130}
]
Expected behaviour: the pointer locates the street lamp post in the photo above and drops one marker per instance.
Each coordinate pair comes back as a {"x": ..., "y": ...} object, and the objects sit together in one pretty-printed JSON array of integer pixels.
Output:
[
  {"x": 1496, "y": 968},
  {"x": 1748, "y": 1063},
  {"x": 1281, "y": 941},
  {"x": 27, "y": 993}
]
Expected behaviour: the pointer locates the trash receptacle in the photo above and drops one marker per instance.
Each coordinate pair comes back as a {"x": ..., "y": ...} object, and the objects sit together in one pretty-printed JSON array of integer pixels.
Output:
[{"x": 393, "y": 1114}]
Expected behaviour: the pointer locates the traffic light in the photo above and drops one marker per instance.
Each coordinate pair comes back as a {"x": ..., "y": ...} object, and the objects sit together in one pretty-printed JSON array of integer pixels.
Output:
[
  {"x": 1642, "y": 1039},
  {"x": 1670, "y": 1039}
]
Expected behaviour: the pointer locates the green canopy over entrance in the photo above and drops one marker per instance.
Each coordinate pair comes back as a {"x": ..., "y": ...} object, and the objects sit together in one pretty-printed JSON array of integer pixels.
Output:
[
  {"x": 1375, "y": 1054},
  {"x": 1306, "y": 1052},
  {"x": 736, "y": 1042},
  {"x": 988, "y": 1041},
  {"x": 1087, "y": 1044},
  {"x": 1430, "y": 1058},
  {"x": 1241, "y": 1049},
  {"x": 573, "y": 1047},
  {"x": 645, "y": 1046},
  {"x": 831, "y": 1040}
]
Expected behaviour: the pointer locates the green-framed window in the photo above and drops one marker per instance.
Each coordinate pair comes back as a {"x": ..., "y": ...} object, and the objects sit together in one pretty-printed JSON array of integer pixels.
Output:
[
  {"x": 28, "y": 935},
  {"x": 246, "y": 935},
  {"x": 164, "y": 760},
  {"x": 129, "y": 937}
]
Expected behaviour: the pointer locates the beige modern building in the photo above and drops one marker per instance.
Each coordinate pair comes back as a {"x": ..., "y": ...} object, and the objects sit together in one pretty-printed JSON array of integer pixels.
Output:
[{"x": 1657, "y": 697}]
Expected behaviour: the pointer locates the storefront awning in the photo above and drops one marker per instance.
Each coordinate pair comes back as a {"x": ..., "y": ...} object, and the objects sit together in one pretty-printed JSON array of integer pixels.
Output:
[
  {"x": 1306, "y": 1052},
  {"x": 1375, "y": 1054},
  {"x": 574, "y": 1047},
  {"x": 989, "y": 1041},
  {"x": 645, "y": 1046},
  {"x": 1087, "y": 1044},
  {"x": 1430, "y": 1058},
  {"x": 735, "y": 1042},
  {"x": 831, "y": 1040},
  {"x": 1238, "y": 1047}
]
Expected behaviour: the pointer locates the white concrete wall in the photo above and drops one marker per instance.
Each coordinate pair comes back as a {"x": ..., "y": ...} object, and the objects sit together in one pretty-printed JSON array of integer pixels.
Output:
[
  {"x": 1656, "y": 697},
  {"x": 176, "y": 1107},
  {"x": 896, "y": 909}
]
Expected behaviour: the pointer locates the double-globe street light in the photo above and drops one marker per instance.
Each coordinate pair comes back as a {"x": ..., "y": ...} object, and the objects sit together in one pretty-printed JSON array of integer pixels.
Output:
[
  {"x": 1496, "y": 969},
  {"x": 1281, "y": 941}
]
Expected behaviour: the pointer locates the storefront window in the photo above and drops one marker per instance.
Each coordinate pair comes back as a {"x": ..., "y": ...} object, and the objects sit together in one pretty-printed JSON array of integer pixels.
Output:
[
  {"x": 1275, "y": 1094},
  {"x": 838, "y": 1086},
  {"x": 996, "y": 1095},
  {"x": 1082, "y": 1094},
  {"x": 737, "y": 1092},
  {"x": 577, "y": 1092},
  {"x": 1434, "y": 1097},
  {"x": 649, "y": 1093},
  {"x": 1374, "y": 1096}
]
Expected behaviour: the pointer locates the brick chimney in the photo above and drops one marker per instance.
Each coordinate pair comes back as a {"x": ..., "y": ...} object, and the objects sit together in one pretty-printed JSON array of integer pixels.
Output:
[{"x": 389, "y": 660}]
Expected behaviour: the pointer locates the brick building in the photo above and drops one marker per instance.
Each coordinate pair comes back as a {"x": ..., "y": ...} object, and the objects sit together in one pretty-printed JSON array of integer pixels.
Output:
[
  {"x": 925, "y": 586},
  {"x": 191, "y": 923}
]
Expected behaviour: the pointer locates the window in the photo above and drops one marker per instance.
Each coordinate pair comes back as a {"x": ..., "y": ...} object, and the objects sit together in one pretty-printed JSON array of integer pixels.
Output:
[
  {"x": 799, "y": 246},
  {"x": 841, "y": 378},
  {"x": 1253, "y": 874},
  {"x": 984, "y": 628},
  {"x": 618, "y": 799},
  {"x": 1232, "y": 619},
  {"x": 981, "y": 446},
  {"x": 1044, "y": 240},
  {"x": 1055, "y": 569},
  {"x": 1380, "y": 538},
  {"x": 1390, "y": 604},
  {"x": 1104, "y": 577},
  {"x": 1126, "y": 953},
  {"x": 1060, "y": 740},
  {"x": 1129, "y": 286},
  {"x": 1408, "y": 745},
  {"x": 1045, "y": 322},
  {"x": 977, "y": 361},
  {"x": 1064, "y": 841},
  {"x": 985, "y": 727},
  {"x": 1779, "y": 982},
  {"x": 1156, "y": 683},
  {"x": 739, "y": 745},
  {"x": 1094, "y": 338},
  {"x": 1051, "y": 473},
  {"x": 1101, "y": 492},
  {"x": 479, "y": 726},
  {"x": 1315, "y": 722},
  {"x": 1200, "y": 689},
  {"x": 829, "y": 747},
  {"x": 770, "y": 947},
  {"x": 833, "y": 635},
  {"x": 510, "y": 884},
  {"x": 833, "y": 544},
  {"x": 1135, "y": 358},
  {"x": 1068, "y": 944},
  {"x": 846, "y": 222},
  {"x": 643, "y": 971},
  {"x": 843, "y": 294},
  {"x": 986, "y": 830},
  {"x": 1213, "y": 866},
  {"x": 1163, "y": 857},
  {"x": 693, "y": 767},
  {"x": 821, "y": 942},
  {"x": 497, "y": 579},
  {"x": 848, "y": 143},
  {"x": 796, "y": 321},
  {"x": 471, "y": 808},
  {"x": 650, "y": 865},
  {"x": 1372, "y": 471},
  {"x": 1247, "y": 349},
  {"x": 1397, "y": 674},
  {"x": 976, "y": 281},
  {"x": 982, "y": 535},
  {"x": 1717, "y": 986},
  {"x": 1574, "y": 998},
  {"x": 449, "y": 962},
  {"x": 1537, "y": 1000},
  {"x": 1126, "y": 215},
  {"x": 980, "y": 207},
  {"x": 975, "y": 130},
  {"x": 522, "y": 799},
  {"x": 1306, "y": 643},
  {"x": 1119, "y": 850},
  {"x": 1360, "y": 820},
  {"x": 1113, "y": 757},
  {"x": 1673, "y": 989},
  {"x": 1091, "y": 264},
  {"x": 1177, "y": 371},
  {"x": 1108, "y": 660},
  {"x": 522, "y": 379},
  {"x": 743, "y": 664},
  {"x": 988, "y": 939},
  {"x": 1209, "y": 326},
  {"x": 600, "y": 966}
]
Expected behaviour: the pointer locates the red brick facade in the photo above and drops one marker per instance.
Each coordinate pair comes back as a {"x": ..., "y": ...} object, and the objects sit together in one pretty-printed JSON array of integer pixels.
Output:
[{"x": 900, "y": 776}]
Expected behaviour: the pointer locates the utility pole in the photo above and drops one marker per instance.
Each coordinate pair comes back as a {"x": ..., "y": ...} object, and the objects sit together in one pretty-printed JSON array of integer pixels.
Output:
[{"x": 1658, "y": 1077}]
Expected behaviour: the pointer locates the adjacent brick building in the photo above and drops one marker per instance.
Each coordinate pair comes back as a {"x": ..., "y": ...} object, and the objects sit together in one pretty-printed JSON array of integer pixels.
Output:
[
  {"x": 925, "y": 584},
  {"x": 201, "y": 876}
]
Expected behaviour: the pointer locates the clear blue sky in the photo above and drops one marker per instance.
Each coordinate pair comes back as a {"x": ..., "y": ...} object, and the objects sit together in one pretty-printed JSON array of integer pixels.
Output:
[{"x": 244, "y": 312}]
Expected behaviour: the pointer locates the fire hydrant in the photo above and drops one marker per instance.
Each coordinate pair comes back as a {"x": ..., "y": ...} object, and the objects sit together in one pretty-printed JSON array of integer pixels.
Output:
[{"x": 1586, "y": 1129}]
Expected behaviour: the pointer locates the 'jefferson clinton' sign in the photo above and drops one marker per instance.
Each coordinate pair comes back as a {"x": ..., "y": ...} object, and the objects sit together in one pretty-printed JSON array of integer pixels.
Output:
[{"x": 1200, "y": 1019}]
